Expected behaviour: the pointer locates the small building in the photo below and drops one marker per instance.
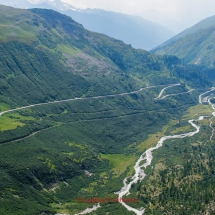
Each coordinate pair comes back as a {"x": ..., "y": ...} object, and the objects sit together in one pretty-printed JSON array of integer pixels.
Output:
[{"x": 205, "y": 100}]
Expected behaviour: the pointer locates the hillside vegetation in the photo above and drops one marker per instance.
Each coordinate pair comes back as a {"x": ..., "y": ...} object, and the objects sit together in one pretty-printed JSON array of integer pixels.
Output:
[
  {"x": 195, "y": 45},
  {"x": 55, "y": 153}
]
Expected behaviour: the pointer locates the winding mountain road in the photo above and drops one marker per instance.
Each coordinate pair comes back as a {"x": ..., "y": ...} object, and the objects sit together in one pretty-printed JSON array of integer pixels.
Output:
[
  {"x": 147, "y": 155},
  {"x": 88, "y": 98},
  {"x": 162, "y": 91},
  {"x": 175, "y": 94},
  {"x": 200, "y": 96}
]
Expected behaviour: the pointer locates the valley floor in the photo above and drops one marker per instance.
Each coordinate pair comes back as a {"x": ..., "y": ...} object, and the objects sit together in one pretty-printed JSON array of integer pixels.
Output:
[{"x": 145, "y": 167}]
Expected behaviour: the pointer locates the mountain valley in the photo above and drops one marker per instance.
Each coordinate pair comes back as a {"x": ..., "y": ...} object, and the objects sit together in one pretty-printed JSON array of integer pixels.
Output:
[{"x": 78, "y": 109}]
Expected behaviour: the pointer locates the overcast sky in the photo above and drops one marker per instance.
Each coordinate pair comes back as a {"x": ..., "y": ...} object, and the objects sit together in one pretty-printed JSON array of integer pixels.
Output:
[{"x": 187, "y": 12}]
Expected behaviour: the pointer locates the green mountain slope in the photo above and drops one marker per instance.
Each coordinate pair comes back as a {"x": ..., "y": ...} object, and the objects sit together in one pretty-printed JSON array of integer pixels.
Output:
[
  {"x": 194, "y": 45},
  {"x": 52, "y": 154}
]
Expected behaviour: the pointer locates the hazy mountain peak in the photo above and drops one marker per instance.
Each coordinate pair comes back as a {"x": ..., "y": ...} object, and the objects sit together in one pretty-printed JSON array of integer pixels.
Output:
[
  {"x": 38, "y": 1},
  {"x": 162, "y": 19},
  {"x": 50, "y": 4}
]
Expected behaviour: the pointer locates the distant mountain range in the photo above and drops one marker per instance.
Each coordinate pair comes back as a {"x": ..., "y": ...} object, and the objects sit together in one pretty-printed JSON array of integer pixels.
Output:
[
  {"x": 164, "y": 20},
  {"x": 194, "y": 45},
  {"x": 134, "y": 30}
]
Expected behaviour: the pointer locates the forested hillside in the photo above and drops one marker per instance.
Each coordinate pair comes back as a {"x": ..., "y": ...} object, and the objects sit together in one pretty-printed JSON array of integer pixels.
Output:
[
  {"x": 195, "y": 45},
  {"x": 53, "y": 153}
]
